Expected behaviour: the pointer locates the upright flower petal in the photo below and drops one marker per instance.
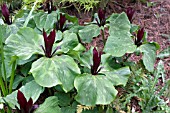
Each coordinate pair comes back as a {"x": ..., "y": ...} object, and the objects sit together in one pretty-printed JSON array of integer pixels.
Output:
[
  {"x": 96, "y": 61},
  {"x": 29, "y": 105},
  {"x": 130, "y": 12},
  {"x": 140, "y": 34},
  {"x": 101, "y": 15},
  {"x": 6, "y": 14},
  {"x": 62, "y": 21},
  {"x": 21, "y": 100},
  {"x": 49, "y": 41}
]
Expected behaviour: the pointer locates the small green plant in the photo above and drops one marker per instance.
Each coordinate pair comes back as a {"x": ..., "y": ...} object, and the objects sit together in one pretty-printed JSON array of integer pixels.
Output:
[{"x": 86, "y": 4}]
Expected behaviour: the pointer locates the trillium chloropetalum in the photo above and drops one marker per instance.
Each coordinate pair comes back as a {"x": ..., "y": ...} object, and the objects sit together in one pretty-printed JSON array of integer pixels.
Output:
[
  {"x": 25, "y": 106},
  {"x": 140, "y": 34},
  {"x": 6, "y": 14},
  {"x": 96, "y": 62},
  {"x": 49, "y": 41},
  {"x": 60, "y": 23},
  {"x": 130, "y": 12},
  {"x": 102, "y": 19}
]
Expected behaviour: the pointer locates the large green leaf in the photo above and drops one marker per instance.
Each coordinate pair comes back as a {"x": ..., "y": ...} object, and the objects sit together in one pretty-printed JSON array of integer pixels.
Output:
[
  {"x": 149, "y": 55},
  {"x": 69, "y": 42},
  {"x": 30, "y": 90},
  {"x": 25, "y": 43},
  {"x": 49, "y": 72},
  {"x": 119, "y": 76},
  {"x": 49, "y": 106},
  {"x": 44, "y": 20},
  {"x": 87, "y": 58},
  {"x": 94, "y": 90},
  {"x": 88, "y": 32},
  {"x": 119, "y": 42},
  {"x": 5, "y": 31}
]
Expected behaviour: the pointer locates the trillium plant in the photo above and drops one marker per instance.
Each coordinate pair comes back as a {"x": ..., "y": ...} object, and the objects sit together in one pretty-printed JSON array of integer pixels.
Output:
[
  {"x": 49, "y": 41},
  {"x": 44, "y": 59},
  {"x": 6, "y": 15},
  {"x": 60, "y": 23},
  {"x": 96, "y": 62}
]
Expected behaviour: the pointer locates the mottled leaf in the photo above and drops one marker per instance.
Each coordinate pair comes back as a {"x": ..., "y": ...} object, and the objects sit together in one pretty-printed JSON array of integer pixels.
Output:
[
  {"x": 94, "y": 90},
  {"x": 119, "y": 42},
  {"x": 58, "y": 70}
]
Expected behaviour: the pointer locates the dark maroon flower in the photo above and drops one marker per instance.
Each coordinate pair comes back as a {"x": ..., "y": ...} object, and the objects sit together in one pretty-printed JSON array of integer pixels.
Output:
[
  {"x": 50, "y": 7},
  {"x": 130, "y": 12},
  {"x": 25, "y": 107},
  {"x": 49, "y": 41},
  {"x": 102, "y": 19},
  {"x": 96, "y": 62},
  {"x": 140, "y": 34},
  {"x": 6, "y": 14},
  {"x": 60, "y": 23}
]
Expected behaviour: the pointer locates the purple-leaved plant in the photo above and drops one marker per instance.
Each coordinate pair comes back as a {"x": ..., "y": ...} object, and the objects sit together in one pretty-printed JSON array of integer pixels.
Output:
[
  {"x": 96, "y": 62},
  {"x": 6, "y": 14}
]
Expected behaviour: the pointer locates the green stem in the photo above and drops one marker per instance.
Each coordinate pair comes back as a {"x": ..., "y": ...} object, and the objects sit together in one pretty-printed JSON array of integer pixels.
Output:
[
  {"x": 2, "y": 86},
  {"x": 29, "y": 16},
  {"x": 4, "y": 69},
  {"x": 12, "y": 77},
  {"x": 9, "y": 110},
  {"x": 104, "y": 41}
]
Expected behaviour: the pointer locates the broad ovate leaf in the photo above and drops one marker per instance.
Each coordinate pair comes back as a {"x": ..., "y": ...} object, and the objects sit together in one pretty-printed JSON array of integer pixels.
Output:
[
  {"x": 119, "y": 76},
  {"x": 89, "y": 32},
  {"x": 69, "y": 42},
  {"x": 58, "y": 70},
  {"x": 119, "y": 42},
  {"x": 94, "y": 90},
  {"x": 45, "y": 21},
  {"x": 149, "y": 55},
  {"x": 25, "y": 43},
  {"x": 30, "y": 90},
  {"x": 49, "y": 106}
]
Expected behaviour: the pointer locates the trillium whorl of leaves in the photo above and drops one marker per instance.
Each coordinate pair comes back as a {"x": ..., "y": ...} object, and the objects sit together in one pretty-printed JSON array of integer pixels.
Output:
[
  {"x": 25, "y": 107},
  {"x": 96, "y": 62},
  {"x": 102, "y": 19},
  {"x": 130, "y": 12},
  {"x": 6, "y": 14},
  {"x": 60, "y": 23},
  {"x": 140, "y": 34},
  {"x": 49, "y": 41}
]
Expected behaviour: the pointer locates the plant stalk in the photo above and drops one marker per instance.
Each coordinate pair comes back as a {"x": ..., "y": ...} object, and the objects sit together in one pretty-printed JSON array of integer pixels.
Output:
[
  {"x": 12, "y": 76},
  {"x": 104, "y": 41},
  {"x": 2, "y": 84},
  {"x": 29, "y": 16}
]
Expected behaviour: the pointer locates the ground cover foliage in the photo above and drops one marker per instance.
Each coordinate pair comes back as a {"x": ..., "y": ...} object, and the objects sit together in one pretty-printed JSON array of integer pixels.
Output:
[{"x": 43, "y": 56}]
